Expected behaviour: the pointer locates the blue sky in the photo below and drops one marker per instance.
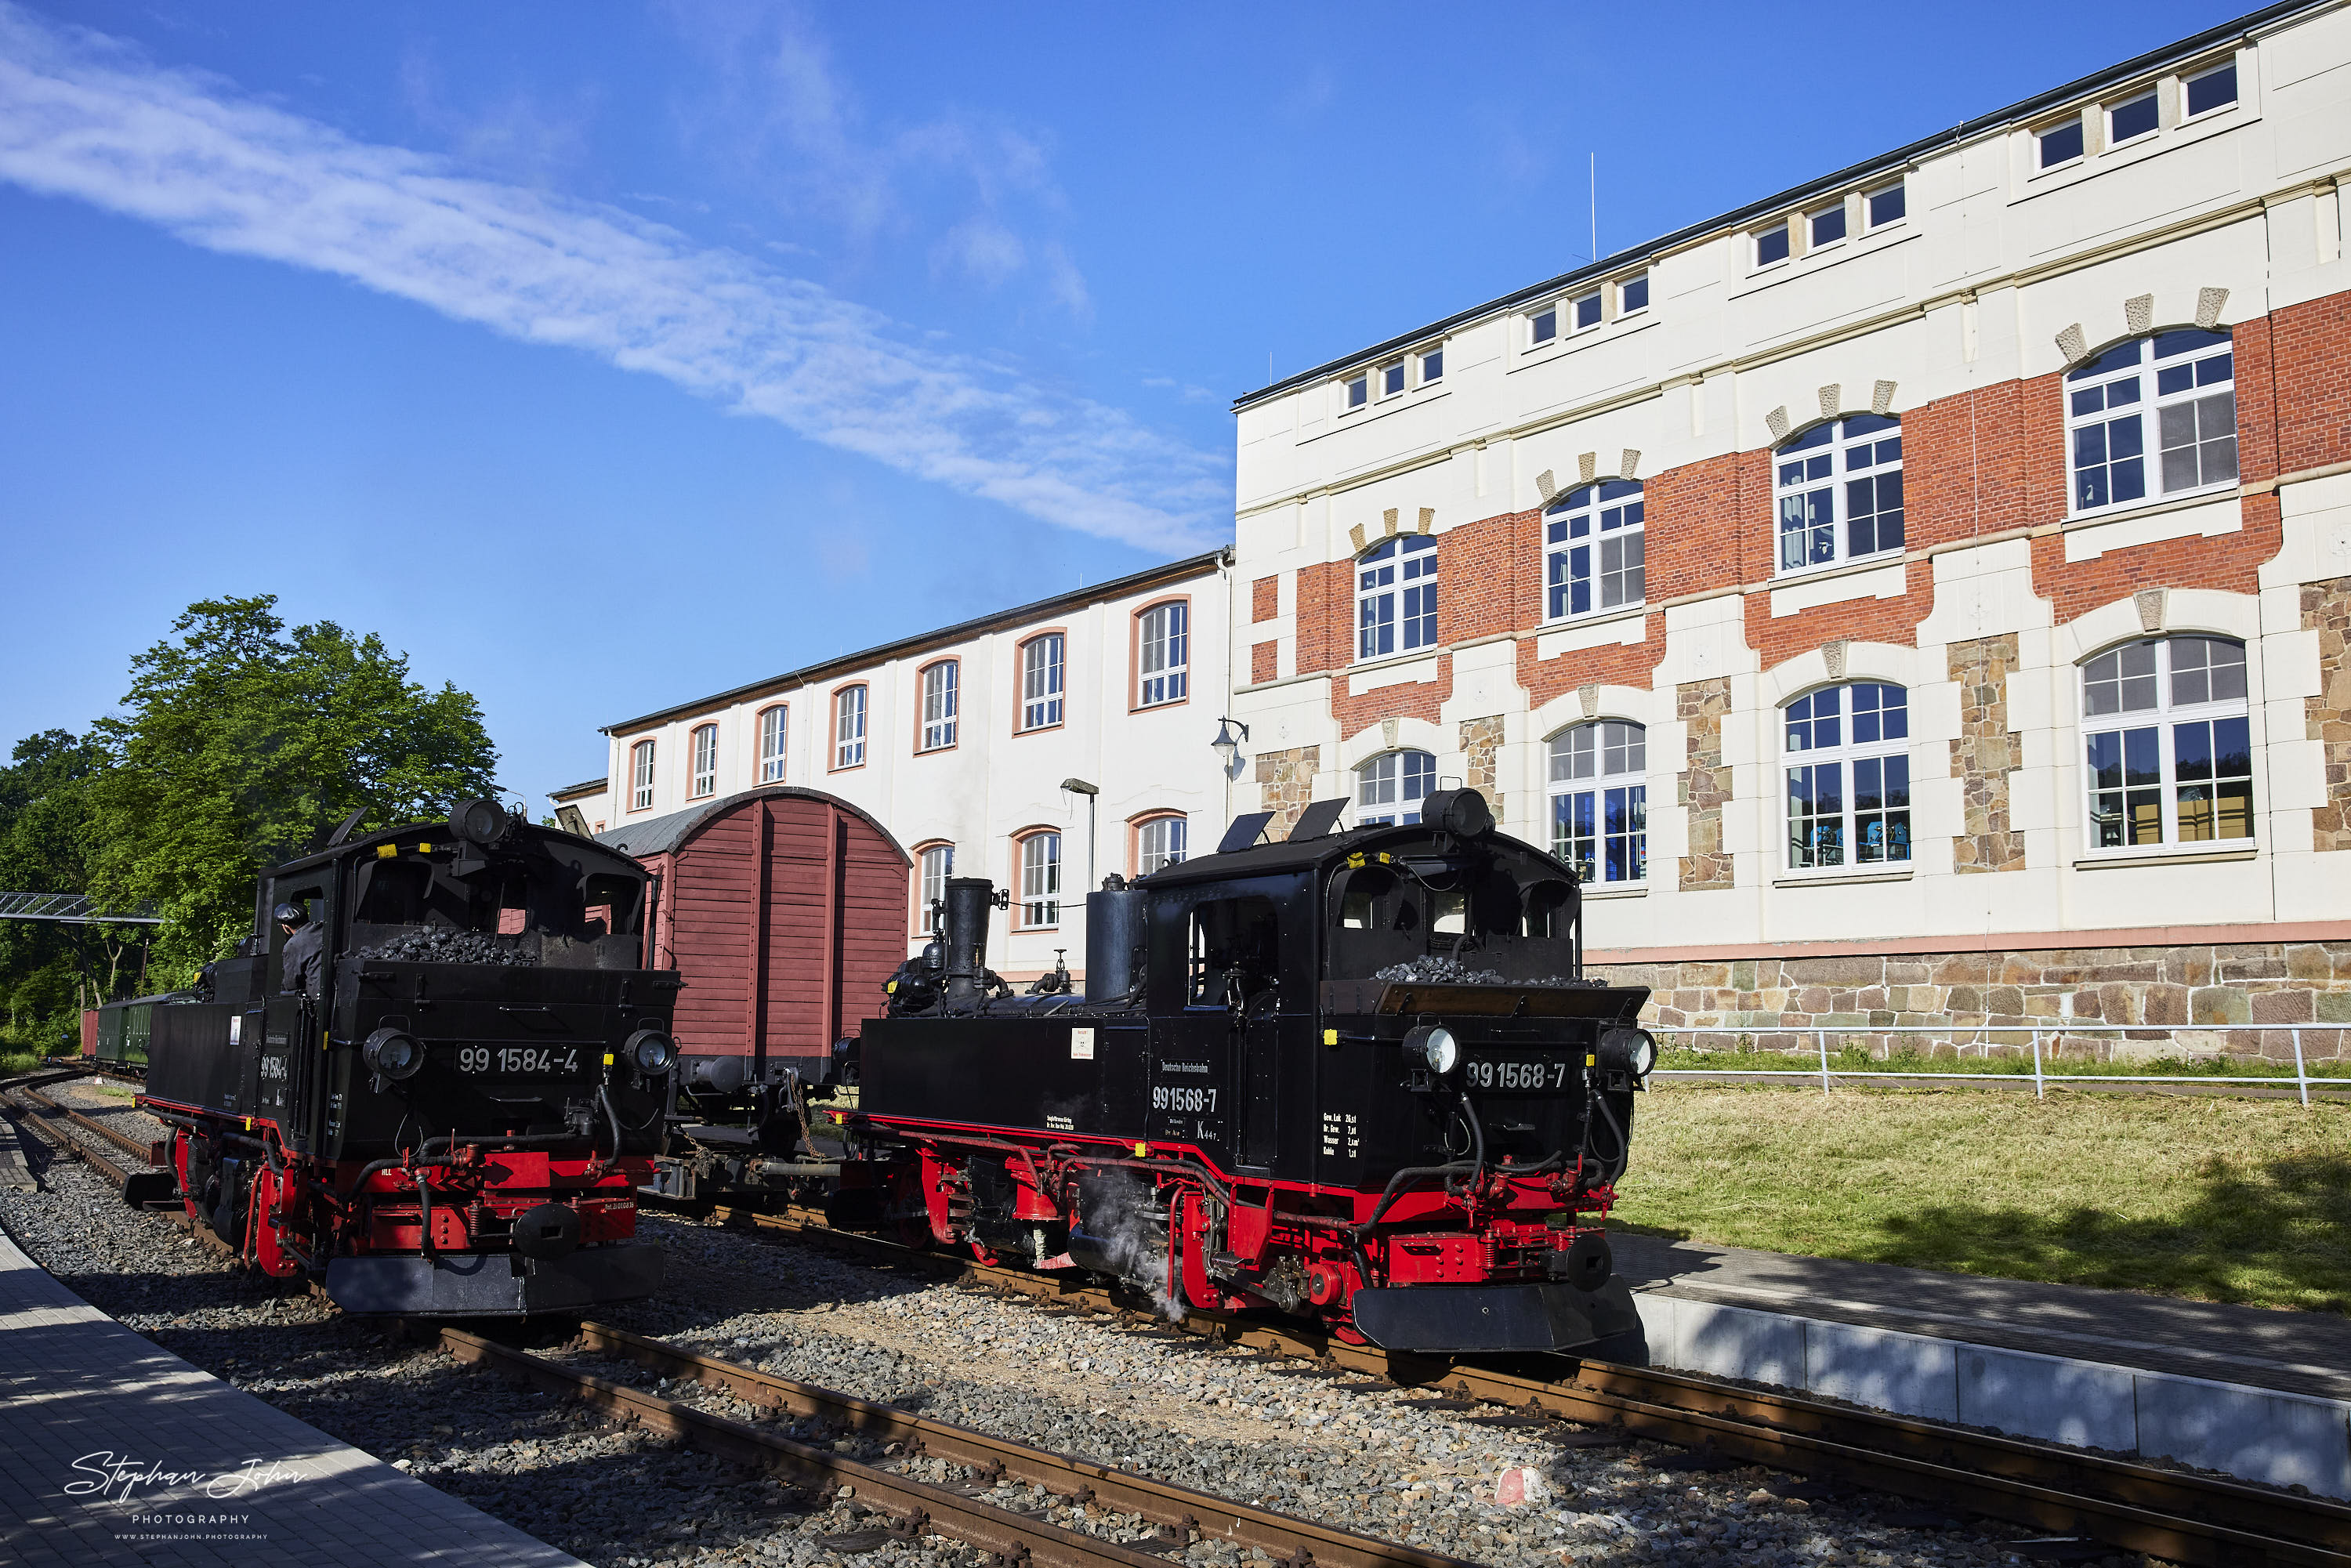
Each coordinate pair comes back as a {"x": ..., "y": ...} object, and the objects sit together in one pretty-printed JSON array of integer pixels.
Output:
[{"x": 604, "y": 358}]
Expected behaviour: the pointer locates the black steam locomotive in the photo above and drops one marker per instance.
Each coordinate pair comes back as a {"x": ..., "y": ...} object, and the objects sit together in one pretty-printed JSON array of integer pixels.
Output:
[
  {"x": 456, "y": 1121},
  {"x": 1356, "y": 1076}
]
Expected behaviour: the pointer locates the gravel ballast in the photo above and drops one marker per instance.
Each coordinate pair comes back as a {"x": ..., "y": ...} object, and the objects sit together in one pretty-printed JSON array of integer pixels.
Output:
[{"x": 1353, "y": 1454}]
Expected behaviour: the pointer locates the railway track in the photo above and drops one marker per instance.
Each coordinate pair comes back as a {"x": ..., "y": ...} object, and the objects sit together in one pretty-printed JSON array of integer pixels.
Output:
[
  {"x": 152, "y": 1181},
  {"x": 2184, "y": 1516},
  {"x": 1178, "y": 1515}
]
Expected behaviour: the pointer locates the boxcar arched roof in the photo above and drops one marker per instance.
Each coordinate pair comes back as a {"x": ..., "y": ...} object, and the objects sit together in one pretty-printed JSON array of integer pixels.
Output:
[{"x": 665, "y": 835}]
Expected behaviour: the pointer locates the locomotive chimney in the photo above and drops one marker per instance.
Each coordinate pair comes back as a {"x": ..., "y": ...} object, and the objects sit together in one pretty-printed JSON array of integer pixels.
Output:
[
  {"x": 968, "y": 901},
  {"x": 1114, "y": 941}
]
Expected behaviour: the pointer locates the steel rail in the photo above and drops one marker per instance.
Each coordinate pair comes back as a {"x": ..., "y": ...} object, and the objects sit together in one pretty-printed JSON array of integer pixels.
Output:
[
  {"x": 2187, "y": 1518},
  {"x": 920, "y": 1507},
  {"x": 67, "y": 1143},
  {"x": 1161, "y": 1502},
  {"x": 150, "y": 1152}
]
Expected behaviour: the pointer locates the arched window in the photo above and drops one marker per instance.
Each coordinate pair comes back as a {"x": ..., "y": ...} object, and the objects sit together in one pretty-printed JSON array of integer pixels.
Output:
[
  {"x": 640, "y": 776},
  {"x": 1395, "y": 597},
  {"x": 2189, "y": 379},
  {"x": 1163, "y": 651},
  {"x": 1839, "y": 486},
  {"x": 1593, "y": 539},
  {"x": 1389, "y": 787},
  {"x": 848, "y": 728},
  {"x": 772, "y": 725},
  {"x": 2169, "y": 742},
  {"x": 1600, "y": 801},
  {"x": 1040, "y": 879},
  {"x": 941, "y": 694},
  {"x": 1041, "y": 677},
  {"x": 703, "y": 779},
  {"x": 1848, "y": 765},
  {"x": 1159, "y": 841},
  {"x": 936, "y": 864}
]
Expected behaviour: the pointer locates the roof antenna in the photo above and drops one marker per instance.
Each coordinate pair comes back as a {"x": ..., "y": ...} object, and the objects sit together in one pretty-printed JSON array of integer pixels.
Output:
[{"x": 1595, "y": 207}]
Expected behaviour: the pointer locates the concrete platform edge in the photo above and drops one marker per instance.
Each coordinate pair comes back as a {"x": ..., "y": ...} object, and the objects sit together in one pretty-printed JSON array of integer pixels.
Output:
[{"x": 2256, "y": 1434}]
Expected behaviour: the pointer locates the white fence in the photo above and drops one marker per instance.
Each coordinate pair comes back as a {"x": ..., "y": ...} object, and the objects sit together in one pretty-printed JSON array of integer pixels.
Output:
[{"x": 2039, "y": 1078}]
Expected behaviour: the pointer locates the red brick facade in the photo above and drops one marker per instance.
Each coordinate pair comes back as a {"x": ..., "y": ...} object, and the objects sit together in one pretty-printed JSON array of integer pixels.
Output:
[
  {"x": 1265, "y": 598},
  {"x": 1985, "y": 462}
]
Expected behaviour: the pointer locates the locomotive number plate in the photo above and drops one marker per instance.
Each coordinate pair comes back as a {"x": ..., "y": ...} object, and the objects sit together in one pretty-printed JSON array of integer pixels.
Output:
[
  {"x": 519, "y": 1061},
  {"x": 1533, "y": 1077},
  {"x": 1182, "y": 1097}
]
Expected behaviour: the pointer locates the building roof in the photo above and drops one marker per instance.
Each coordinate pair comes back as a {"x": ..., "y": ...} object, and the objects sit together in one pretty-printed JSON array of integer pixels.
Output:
[
  {"x": 586, "y": 787},
  {"x": 660, "y": 835},
  {"x": 810, "y": 675},
  {"x": 1795, "y": 195}
]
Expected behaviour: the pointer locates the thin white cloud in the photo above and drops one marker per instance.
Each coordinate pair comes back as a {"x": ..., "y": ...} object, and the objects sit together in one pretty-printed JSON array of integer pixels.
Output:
[{"x": 83, "y": 117}]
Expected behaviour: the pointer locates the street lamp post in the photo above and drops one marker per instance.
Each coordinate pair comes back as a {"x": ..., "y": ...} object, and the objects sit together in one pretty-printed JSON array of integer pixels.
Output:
[{"x": 1080, "y": 786}]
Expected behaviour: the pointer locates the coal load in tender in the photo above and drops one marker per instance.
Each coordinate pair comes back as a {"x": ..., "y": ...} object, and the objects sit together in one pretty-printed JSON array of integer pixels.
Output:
[
  {"x": 1435, "y": 970},
  {"x": 440, "y": 945}
]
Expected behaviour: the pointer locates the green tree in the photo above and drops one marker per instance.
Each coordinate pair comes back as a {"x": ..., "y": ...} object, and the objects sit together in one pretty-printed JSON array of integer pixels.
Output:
[
  {"x": 241, "y": 744},
  {"x": 48, "y": 973}
]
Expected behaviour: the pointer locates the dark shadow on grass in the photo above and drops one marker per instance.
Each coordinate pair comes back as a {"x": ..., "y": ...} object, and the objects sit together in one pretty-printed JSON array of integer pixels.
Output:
[{"x": 2273, "y": 1233}]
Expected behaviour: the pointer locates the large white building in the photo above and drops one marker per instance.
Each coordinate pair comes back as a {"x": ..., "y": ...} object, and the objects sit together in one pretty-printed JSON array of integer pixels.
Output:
[
  {"x": 962, "y": 742},
  {"x": 1890, "y": 590}
]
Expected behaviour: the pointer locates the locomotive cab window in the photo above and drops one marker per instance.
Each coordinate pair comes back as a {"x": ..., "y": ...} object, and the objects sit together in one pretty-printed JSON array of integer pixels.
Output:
[{"x": 1235, "y": 953}]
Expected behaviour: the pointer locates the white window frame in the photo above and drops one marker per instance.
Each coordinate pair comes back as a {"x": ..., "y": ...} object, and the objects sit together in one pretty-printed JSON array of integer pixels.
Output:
[
  {"x": 1787, "y": 234},
  {"x": 1597, "y": 298},
  {"x": 1848, "y": 756},
  {"x": 1626, "y": 308},
  {"x": 1039, "y": 902},
  {"x": 2107, "y": 111},
  {"x": 2145, "y": 377},
  {"x": 1394, "y": 379},
  {"x": 1870, "y": 221},
  {"x": 1395, "y": 597},
  {"x": 2041, "y": 165},
  {"x": 2165, "y": 722},
  {"x": 1044, "y": 680},
  {"x": 1608, "y": 519},
  {"x": 1162, "y": 654},
  {"x": 1354, "y": 393},
  {"x": 1420, "y": 360},
  {"x": 936, "y": 864},
  {"x": 1160, "y": 841},
  {"x": 640, "y": 776},
  {"x": 775, "y": 732},
  {"x": 2236, "y": 96},
  {"x": 702, "y": 750},
  {"x": 1536, "y": 336},
  {"x": 1385, "y": 787},
  {"x": 942, "y": 702},
  {"x": 1599, "y": 794},
  {"x": 1814, "y": 219},
  {"x": 1807, "y": 470},
  {"x": 849, "y": 714}
]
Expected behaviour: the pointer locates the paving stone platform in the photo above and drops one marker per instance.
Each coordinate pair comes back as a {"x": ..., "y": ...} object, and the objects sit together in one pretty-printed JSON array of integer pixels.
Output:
[
  {"x": 118, "y": 1452},
  {"x": 2296, "y": 1352}
]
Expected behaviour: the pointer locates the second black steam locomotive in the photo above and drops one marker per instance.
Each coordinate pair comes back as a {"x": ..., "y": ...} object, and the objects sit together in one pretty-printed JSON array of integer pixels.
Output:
[
  {"x": 1355, "y": 1076},
  {"x": 455, "y": 1120}
]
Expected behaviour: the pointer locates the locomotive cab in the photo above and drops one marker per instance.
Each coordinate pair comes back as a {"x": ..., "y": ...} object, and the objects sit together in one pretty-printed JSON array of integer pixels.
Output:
[
  {"x": 1356, "y": 1075},
  {"x": 451, "y": 1117}
]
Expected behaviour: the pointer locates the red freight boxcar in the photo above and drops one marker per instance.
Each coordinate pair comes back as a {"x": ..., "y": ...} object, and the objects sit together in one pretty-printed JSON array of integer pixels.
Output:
[{"x": 785, "y": 911}]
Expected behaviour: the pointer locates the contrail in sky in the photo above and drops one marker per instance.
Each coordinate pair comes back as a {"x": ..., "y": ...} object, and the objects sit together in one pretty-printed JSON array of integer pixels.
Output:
[{"x": 82, "y": 115}]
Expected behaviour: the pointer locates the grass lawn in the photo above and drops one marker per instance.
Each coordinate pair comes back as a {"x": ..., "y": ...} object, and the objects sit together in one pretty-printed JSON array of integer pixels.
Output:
[{"x": 2225, "y": 1200}]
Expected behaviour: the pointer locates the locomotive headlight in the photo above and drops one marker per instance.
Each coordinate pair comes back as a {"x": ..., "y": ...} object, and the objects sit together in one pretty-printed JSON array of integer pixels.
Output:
[
  {"x": 1433, "y": 1046},
  {"x": 652, "y": 1051},
  {"x": 391, "y": 1053},
  {"x": 1632, "y": 1051}
]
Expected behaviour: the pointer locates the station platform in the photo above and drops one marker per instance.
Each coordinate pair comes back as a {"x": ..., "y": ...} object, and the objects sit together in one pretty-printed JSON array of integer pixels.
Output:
[
  {"x": 2254, "y": 1393},
  {"x": 121, "y": 1453}
]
